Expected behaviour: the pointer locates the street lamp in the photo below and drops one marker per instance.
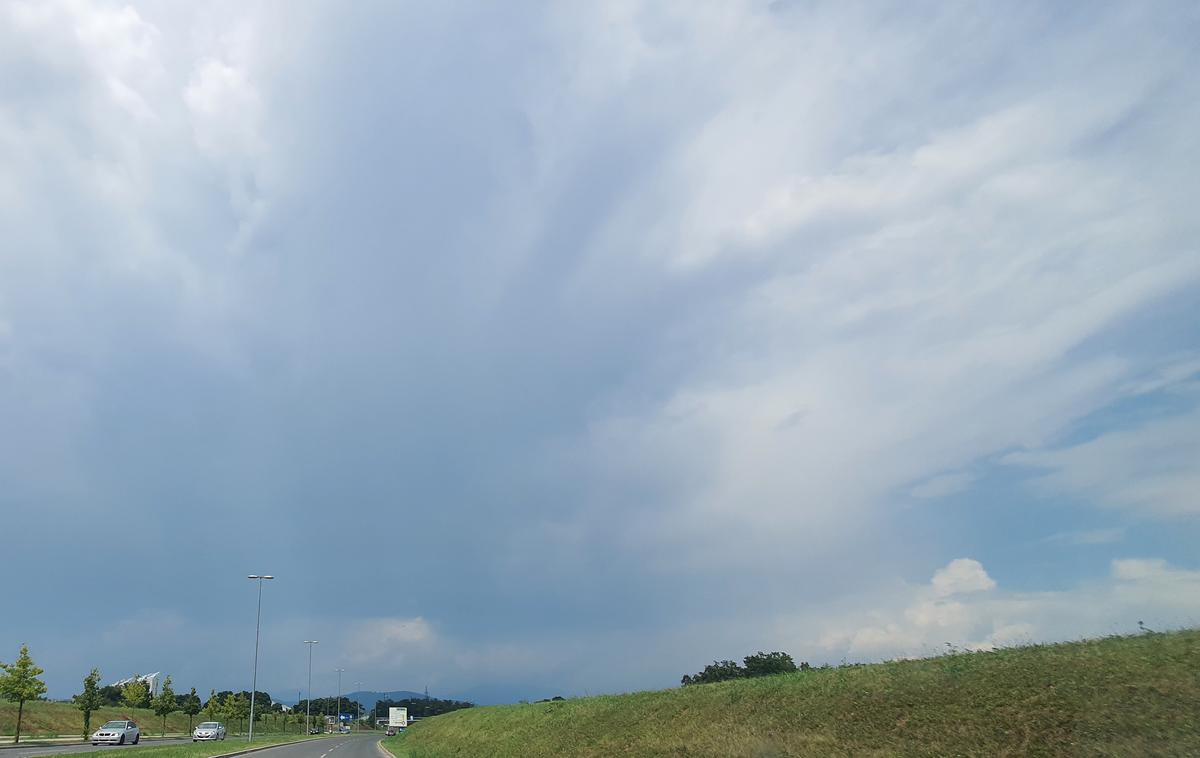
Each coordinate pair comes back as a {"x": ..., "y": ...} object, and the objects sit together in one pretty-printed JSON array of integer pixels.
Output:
[
  {"x": 338, "y": 715},
  {"x": 254, "y": 680},
  {"x": 358, "y": 688},
  {"x": 308, "y": 703}
]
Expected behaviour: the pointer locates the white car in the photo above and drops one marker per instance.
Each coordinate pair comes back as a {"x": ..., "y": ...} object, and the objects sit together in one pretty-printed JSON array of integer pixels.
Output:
[
  {"x": 208, "y": 730},
  {"x": 117, "y": 733}
]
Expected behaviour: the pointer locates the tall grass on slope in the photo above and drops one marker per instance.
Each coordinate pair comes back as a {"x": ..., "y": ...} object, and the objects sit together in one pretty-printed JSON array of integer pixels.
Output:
[
  {"x": 43, "y": 718},
  {"x": 1128, "y": 696}
]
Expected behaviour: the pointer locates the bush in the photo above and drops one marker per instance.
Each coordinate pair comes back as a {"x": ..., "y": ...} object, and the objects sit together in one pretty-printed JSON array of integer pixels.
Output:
[
  {"x": 766, "y": 664},
  {"x": 759, "y": 664},
  {"x": 717, "y": 671}
]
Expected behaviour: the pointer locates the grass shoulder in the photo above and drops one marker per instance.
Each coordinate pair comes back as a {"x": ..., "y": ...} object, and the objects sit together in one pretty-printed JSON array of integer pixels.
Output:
[{"x": 207, "y": 749}]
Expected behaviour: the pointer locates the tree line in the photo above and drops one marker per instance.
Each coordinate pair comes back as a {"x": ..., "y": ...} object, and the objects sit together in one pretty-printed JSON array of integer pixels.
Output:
[
  {"x": 328, "y": 706},
  {"x": 422, "y": 707},
  {"x": 759, "y": 664}
]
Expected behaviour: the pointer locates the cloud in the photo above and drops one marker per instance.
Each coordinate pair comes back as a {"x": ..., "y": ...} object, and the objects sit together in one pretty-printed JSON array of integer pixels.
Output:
[
  {"x": 943, "y": 485},
  {"x": 961, "y": 576},
  {"x": 922, "y": 620},
  {"x": 1149, "y": 469},
  {"x": 592, "y": 313},
  {"x": 1087, "y": 537},
  {"x": 387, "y": 641}
]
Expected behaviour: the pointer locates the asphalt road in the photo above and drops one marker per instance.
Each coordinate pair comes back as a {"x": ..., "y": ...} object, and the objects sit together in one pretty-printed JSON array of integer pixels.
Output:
[{"x": 348, "y": 746}]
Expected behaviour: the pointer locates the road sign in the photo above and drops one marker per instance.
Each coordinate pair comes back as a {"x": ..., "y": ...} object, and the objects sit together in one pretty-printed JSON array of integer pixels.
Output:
[{"x": 397, "y": 717}]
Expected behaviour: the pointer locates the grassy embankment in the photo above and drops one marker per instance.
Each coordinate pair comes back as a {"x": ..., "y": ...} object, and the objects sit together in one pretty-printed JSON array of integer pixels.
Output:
[
  {"x": 1127, "y": 696},
  {"x": 47, "y": 719}
]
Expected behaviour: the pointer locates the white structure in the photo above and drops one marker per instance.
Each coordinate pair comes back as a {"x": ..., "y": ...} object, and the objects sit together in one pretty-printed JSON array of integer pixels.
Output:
[
  {"x": 151, "y": 681},
  {"x": 398, "y": 717}
]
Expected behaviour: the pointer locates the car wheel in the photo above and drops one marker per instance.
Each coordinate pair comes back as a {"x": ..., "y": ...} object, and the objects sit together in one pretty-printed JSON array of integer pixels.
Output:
[
  {"x": 122, "y": 742},
  {"x": 135, "y": 739}
]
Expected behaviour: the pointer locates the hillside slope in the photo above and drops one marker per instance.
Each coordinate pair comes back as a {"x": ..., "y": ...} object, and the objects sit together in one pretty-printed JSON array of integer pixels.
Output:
[
  {"x": 51, "y": 719},
  {"x": 1117, "y": 696}
]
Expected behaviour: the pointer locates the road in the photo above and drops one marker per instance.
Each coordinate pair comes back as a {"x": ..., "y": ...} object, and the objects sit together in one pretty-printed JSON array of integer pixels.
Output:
[{"x": 347, "y": 746}]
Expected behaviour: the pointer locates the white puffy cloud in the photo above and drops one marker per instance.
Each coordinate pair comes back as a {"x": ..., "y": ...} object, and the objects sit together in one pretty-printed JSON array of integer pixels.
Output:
[
  {"x": 925, "y": 619},
  {"x": 961, "y": 576}
]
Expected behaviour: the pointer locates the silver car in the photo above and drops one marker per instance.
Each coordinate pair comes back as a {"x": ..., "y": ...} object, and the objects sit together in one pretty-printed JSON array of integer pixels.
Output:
[
  {"x": 208, "y": 730},
  {"x": 117, "y": 733}
]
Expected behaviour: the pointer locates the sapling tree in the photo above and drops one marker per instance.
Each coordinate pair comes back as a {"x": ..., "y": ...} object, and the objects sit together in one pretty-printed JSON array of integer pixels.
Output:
[
  {"x": 135, "y": 693},
  {"x": 165, "y": 703},
  {"x": 190, "y": 704},
  {"x": 89, "y": 700},
  {"x": 19, "y": 682}
]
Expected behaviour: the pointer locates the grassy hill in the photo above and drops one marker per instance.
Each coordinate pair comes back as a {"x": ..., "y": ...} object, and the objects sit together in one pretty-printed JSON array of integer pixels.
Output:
[
  {"x": 47, "y": 719},
  {"x": 1127, "y": 696}
]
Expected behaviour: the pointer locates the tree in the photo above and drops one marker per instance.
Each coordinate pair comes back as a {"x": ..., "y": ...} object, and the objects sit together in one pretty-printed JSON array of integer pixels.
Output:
[
  {"x": 165, "y": 703},
  {"x": 19, "y": 682},
  {"x": 135, "y": 693},
  {"x": 110, "y": 695},
  {"x": 767, "y": 664},
  {"x": 190, "y": 704},
  {"x": 759, "y": 664},
  {"x": 717, "y": 671},
  {"x": 89, "y": 700},
  {"x": 212, "y": 709},
  {"x": 238, "y": 708}
]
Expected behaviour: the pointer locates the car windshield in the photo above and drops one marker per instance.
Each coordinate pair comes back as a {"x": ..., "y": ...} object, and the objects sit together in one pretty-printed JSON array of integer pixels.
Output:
[
  {"x": 208, "y": 725},
  {"x": 113, "y": 725}
]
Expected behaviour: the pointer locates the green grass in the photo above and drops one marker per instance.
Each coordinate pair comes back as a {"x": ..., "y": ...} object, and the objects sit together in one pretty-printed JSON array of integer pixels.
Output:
[
  {"x": 48, "y": 719},
  {"x": 1120, "y": 696},
  {"x": 206, "y": 749}
]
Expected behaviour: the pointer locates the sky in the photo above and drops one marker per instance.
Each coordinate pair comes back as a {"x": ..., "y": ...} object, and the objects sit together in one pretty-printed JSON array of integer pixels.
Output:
[{"x": 563, "y": 348}]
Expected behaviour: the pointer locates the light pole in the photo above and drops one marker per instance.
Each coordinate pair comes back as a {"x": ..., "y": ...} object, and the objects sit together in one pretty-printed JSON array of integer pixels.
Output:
[
  {"x": 308, "y": 703},
  {"x": 358, "y": 688},
  {"x": 254, "y": 679},
  {"x": 338, "y": 715}
]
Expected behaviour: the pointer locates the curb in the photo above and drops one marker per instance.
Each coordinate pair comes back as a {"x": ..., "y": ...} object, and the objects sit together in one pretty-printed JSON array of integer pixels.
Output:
[{"x": 383, "y": 750}]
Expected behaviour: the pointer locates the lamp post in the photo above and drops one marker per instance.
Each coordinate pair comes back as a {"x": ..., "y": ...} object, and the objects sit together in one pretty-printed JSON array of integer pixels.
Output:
[
  {"x": 257, "y": 623},
  {"x": 338, "y": 715},
  {"x": 308, "y": 703},
  {"x": 358, "y": 708}
]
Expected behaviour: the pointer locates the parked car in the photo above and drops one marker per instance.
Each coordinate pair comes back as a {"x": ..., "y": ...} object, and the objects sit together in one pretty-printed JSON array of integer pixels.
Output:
[
  {"x": 208, "y": 730},
  {"x": 117, "y": 733}
]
